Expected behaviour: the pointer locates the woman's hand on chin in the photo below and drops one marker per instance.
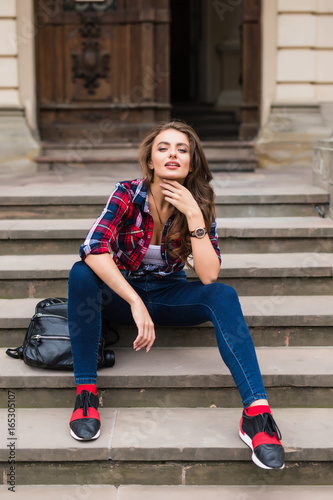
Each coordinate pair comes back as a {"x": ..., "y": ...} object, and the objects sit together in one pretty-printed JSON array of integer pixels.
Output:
[{"x": 180, "y": 197}]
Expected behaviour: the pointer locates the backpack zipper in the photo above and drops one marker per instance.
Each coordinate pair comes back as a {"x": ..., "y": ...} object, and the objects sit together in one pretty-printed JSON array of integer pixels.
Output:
[
  {"x": 40, "y": 315},
  {"x": 47, "y": 337}
]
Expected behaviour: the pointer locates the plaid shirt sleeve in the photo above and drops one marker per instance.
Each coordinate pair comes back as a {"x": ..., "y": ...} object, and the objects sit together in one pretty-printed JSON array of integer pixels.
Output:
[
  {"x": 106, "y": 225},
  {"x": 214, "y": 239}
]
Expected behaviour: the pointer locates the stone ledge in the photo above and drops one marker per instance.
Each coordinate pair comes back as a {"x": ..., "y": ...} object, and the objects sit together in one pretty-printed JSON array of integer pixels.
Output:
[
  {"x": 224, "y": 492},
  {"x": 291, "y": 310},
  {"x": 274, "y": 227},
  {"x": 98, "y": 193},
  {"x": 322, "y": 166},
  {"x": 16, "y": 140},
  {"x": 195, "y": 492},
  {"x": 176, "y": 367},
  {"x": 287, "y": 265},
  {"x": 160, "y": 434},
  {"x": 61, "y": 492},
  {"x": 239, "y": 227}
]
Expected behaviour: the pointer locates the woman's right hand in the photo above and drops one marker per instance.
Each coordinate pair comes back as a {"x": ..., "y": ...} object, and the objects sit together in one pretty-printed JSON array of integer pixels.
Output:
[
  {"x": 106, "y": 269},
  {"x": 146, "y": 329}
]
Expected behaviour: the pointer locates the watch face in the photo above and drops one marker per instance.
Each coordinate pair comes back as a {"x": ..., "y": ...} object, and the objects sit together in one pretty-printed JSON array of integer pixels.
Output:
[{"x": 200, "y": 232}]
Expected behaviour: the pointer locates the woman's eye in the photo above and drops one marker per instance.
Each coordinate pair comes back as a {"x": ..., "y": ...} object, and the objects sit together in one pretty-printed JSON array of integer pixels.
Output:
[
  {"x": 183, "y": 150},
  {"x": 162, "y": 149}
]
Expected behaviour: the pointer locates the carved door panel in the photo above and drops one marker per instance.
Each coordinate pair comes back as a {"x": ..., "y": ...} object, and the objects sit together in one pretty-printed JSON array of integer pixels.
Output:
[{"x": 101, "y": 65}]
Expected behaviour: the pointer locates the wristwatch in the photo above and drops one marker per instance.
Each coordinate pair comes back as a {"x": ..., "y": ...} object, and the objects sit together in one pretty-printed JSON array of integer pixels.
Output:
[{"x": 199, "y": 232}]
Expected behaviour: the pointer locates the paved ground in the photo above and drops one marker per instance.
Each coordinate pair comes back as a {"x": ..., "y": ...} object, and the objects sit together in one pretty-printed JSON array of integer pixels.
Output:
[{"x": 81, "y": 176}]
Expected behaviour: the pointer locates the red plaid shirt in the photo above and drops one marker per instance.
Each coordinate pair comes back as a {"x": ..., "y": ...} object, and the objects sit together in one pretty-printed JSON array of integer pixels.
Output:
[{"x": 125, "y": 229}]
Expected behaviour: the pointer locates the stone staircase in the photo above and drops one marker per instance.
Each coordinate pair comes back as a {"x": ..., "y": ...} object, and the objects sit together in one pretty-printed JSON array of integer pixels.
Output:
[
  {"x": 223, "y": 154},
  {"x": 171, "y": 417}
]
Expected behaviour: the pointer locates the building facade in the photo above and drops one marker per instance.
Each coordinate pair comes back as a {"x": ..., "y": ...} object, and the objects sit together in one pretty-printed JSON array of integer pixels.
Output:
[{"x": 238, "y": 70}]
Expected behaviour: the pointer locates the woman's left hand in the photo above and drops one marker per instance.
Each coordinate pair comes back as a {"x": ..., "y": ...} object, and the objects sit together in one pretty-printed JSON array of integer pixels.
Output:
[{"x": 180, "y": 197}]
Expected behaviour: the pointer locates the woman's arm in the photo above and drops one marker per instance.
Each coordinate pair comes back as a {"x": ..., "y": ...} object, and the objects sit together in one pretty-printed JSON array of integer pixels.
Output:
[
  {"x": 205, "y": 259},
  {"x": 106, "y": 269}
]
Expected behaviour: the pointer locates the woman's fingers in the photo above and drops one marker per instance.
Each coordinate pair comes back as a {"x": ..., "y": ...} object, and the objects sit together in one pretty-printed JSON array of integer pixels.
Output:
[
  {"x": 146, "y": 330},
  {"x": 145, "y": 338},
  {"x": 176, "y": 190},
  {"x": 170, "y": 193},
  {"x": 146, "y": 333}
]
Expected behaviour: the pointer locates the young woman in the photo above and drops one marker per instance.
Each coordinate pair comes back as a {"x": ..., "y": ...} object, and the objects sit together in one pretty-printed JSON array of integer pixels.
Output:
[{"x": 132, "y": 272}]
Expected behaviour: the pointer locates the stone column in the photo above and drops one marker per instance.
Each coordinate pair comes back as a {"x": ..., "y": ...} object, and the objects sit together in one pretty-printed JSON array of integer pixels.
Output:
[{"x": 17, "y": 144}]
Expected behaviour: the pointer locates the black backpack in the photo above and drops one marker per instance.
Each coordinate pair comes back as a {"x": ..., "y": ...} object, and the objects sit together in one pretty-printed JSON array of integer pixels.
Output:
[{"x": 47, "y": 343}]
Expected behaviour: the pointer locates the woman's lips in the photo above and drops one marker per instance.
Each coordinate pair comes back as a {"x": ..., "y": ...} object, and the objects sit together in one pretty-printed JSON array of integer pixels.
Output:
[{"x": 172, "y": 165}]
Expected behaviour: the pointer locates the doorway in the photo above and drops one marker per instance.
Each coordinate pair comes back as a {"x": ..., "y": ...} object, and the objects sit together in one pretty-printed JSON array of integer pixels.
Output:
[
  {"x": 205, "y": 49},
  {"x": 215, "y": 65}
]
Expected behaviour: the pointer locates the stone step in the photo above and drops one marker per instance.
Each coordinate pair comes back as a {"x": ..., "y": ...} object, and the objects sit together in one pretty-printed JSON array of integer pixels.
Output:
[
  {"x": 204, "y": 335},
  {"x": 179, "y": 445},
  {"x": 223, "y": 155},
  {"x": 236, "y": 235},
  {"x": 278, "y": 227},
  {"x": 233, "y": 265},
  {"x": 275, "y": 234},
  {"x": 250, "y": 274},
  {"x": 63, "y": 200},
  {"x": 293, "y": 376},
  {"x": 140, "y": 492},
  {"x": 263, "y": 311},
  {"x": 268, "y": 201}
]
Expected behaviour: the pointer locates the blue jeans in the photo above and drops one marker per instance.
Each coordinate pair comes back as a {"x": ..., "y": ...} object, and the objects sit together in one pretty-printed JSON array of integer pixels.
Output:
[{"x": 171, "y": 301}]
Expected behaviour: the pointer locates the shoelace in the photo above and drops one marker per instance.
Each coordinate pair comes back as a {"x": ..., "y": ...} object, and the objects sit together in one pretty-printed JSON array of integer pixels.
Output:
[
  {"x": 269, "y": 426},
  {"x": 85, "y": 402}
]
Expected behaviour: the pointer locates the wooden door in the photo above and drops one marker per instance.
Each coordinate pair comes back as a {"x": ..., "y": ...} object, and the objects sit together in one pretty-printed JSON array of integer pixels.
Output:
[
  {"x": 102, "y": 68},
  {"x": 251, "y": 68}
]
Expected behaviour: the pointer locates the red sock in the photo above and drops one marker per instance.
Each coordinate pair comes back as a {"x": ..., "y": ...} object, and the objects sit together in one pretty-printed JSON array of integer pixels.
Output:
[
  {"x": 86, "y": 387},
  {"x": 256, "y": 410}
]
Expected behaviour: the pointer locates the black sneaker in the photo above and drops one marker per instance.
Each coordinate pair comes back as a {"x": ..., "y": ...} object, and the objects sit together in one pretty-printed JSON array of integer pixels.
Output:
[
  {"x": 262, "y": 435},
  {"x": 85, "y": 423}
]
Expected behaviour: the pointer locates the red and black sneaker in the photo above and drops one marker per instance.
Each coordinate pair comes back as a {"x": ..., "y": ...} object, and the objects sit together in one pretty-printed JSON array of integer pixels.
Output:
[
  {"x": 259, "y": 431},
  {"x": 85, "y": 423}
]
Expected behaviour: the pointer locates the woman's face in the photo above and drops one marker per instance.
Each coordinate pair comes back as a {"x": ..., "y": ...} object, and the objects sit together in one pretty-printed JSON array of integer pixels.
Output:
[{"x": 170, "y": 156}]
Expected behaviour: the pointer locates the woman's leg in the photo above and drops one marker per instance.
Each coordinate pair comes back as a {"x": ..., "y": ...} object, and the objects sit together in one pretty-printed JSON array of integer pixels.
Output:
[
  {"x": 88, "y": 298},
  {"x": 192, "y": 303}
]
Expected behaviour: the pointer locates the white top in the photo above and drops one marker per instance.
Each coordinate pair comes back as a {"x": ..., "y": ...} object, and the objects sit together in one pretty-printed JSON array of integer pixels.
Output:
[{"x": 153, "y": 256}]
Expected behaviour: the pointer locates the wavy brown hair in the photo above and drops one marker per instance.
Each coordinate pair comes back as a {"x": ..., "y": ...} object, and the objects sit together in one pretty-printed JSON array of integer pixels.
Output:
[{"x": 197, "y": 182}]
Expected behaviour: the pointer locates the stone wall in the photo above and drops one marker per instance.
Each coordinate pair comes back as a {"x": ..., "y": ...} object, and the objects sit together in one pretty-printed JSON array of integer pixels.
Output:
[
  {"x": 9, "y": 94},
  {"x": 297, "y": 80},
  {"x": 18, "y": 124},
  {"x": 305, "y": 50}
]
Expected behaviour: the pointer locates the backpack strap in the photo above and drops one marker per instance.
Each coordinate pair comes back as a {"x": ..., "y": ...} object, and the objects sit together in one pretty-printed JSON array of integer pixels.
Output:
[{"x": 15, "y": 353}]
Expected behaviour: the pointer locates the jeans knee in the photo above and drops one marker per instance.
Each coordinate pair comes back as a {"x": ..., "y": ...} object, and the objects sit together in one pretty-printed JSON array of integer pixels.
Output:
[
  {"x": 81, "y": 275},
  {"x": 224, "y": 303},
  {"x": 84, "y": 295},
  {"x": 219, "y": 293}
]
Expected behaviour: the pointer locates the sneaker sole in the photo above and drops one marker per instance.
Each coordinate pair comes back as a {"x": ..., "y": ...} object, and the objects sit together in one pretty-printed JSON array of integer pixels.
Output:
[
  {"x": 248, "y": 441},
  {"x": 83, "y": 439}
]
